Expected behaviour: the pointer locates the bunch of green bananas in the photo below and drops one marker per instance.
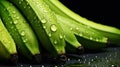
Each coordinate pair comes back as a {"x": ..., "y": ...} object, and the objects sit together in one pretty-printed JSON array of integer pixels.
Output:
[{"x": 23, "y": 23}]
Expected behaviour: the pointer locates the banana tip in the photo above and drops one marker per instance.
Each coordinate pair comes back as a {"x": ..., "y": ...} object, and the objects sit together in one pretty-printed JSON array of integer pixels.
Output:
[
  {"x": 80, "y": 50},
  {"x": 13, "y": 59},
  {"x": 37, "y": 58}
]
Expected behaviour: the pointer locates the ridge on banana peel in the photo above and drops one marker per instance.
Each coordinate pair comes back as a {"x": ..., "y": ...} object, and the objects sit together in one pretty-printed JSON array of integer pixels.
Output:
[
  {"x": 112, "y": 33},
  {"x": 44, "y": 23},
  {"x": 21, "y": 32},
  {"x": 7, "y": 54},
  {"x": 89, "y": 38}
]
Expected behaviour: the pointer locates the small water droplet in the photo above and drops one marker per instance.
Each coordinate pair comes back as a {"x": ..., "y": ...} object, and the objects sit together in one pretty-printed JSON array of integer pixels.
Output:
[
  {"x": 61, "y": 36},
  {"x": 29, "y": 7},
  {"x": 49, "y": 35},
  {"x": 92, "y": 59},
  {"x": 55, "y": 42},
  {"x": 97, "y": 40},
  {"x": 43, "y": 21},
  {"x": 27, "y": 3},
  {"x": 89, "y": 63},
  {"x": 21, "y": 65},
  {"x": 22, "y": 33},
  {"x": 56, "y": 66},
  {"x": 77, "y": 28},
  {"x": 24, "y": 40},
  {"x": 15, "y": 22},
  {"x": 14, "y": 16},
  {"x": 80, "y": 34},
  {"x": 44, "y": 27},
  {"x": 53, "y": 28},
  {"x": 43, "y": 66},
  {"x": 79, "y": 59},
  {"x": 91, "y": 38},
  {"x": 12, "y": 27},
  {"x": 17, "y": 17},
  {"x": 68, "y": 59},
  {"x": 10, "y": 22},
  {"x": 14, "y": 12},
  {"x": 112, "y": 65},
  {"x": 64, "y": 36},
  {"x": 19, "y": 2},
  {"x": 30, "y": 65},
  {"x": 71, "y": 28},
  {"x": 24, "y": 7}
]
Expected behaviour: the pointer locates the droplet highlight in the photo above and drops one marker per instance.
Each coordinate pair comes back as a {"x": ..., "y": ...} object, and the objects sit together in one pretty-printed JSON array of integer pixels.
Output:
[
  {"x": 43, "y": 21},
  {"x": 55, "y": 42},
  {"x": 53, "y": 28},
  {"x": 22, "y": 33}
]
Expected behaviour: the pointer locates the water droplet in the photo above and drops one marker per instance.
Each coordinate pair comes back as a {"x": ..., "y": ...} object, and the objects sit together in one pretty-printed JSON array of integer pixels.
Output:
[
  {"x": 68, "y": 59},
  {"x": 49, "y": 35},
  {"x": 27, "y": 3},
  {"x": 21, "y": 65},
  {"x": 30, "y": 65},
  {"x": 89, "y": 63},
  {"x": 29, "y": 7},
  {"x": 15, "y": 22},
  {"x": 43, "y": 66},
  {"x": 44, "y": 27},
  {"x": 56, "y": 66},
  {"x": 22, "y": 33},
  {"x": 80, "y": 34},
  {"x": 61, "y": 36},
  {"x": 14, "y": 12},
  {"x": 92, "y": 59},
  {"x": 17, "y": 17},
  {"x": 10, "y": 22},
  {"x": 97, "y": 40},
  {"x": 14, "y": 16},
  {"x": 24, "y": 7},
  {"x": 91, "y": 38},
  {"x": 112, "y": 65},
  {"x": 43, "y": 21},
  {"x": 77, "y": 28},
  {"x": 53, "y": 28},
  {"x": 12, "y": 27},
  {"x": 79, "y": 59},
  {"x": 19, "y": 2},
  {"x": 64, "y": 36},
  {"x": 55, "y": 42},
  {"x": 71, "y": 28},
  {"x": 24, "y": 40}
]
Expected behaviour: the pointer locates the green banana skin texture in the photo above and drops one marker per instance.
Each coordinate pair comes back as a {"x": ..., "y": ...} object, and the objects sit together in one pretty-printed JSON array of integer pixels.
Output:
[
  {"x": 72, "y": 46},
  {"x": 88, "y": 37},
  {"x": 6, "y": 42},
  {"x": 21, "y": 32},
  {"x": 112, "y": 33},
  {"x": 44, "y": 23}
]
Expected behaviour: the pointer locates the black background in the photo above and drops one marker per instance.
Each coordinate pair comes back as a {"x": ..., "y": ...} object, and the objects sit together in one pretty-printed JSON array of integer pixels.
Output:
[{"x": 105, "y": 12}]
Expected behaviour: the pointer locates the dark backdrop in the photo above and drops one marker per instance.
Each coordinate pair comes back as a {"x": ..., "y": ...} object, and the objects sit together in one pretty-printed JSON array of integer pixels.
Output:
[{"x": 105, "y": 12}]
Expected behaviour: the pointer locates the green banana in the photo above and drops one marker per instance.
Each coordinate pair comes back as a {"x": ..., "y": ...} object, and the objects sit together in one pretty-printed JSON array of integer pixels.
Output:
[
  {"x": 21, "y": 32},
  {"x": 72, "y": 46},
  {"x": 112, "y": 33},
  {"x": 8, "y": 52},
  {"x": 45, "y": 25},
  {"x": 88, "y": 37}
]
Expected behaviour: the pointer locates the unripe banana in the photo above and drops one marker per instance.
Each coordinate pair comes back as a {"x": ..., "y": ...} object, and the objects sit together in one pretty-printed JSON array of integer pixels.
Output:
[
  {"x": 8, "y": 52},
  {"x": 88, "y": 37},
  {"x": 44, "y": 23},
  {"x": 20, "y": 30},
  {"x": 112, "y": 33}
]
